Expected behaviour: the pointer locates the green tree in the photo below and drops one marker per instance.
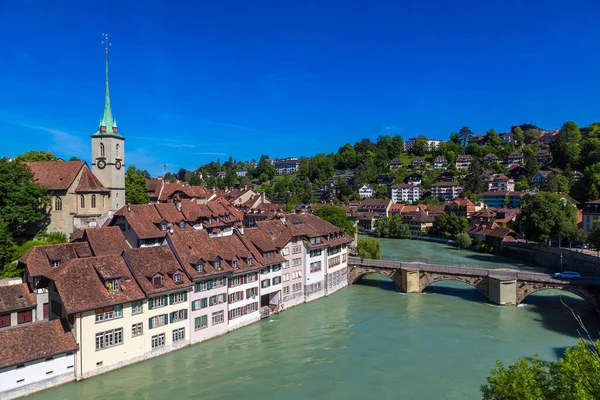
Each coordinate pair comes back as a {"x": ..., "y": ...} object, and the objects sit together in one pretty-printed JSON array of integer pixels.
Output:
[
  {"x": 421, "y": 146},
  {"x": 23, "y": 204},
  {"x": 463, "y": 240},
  {"x": 545, "y": 215},
  {"x": 531, "y": 164},
  {"x": 264, "y": 170},
  {"x": 369, "y": 248},
  {"x": 346, "y": 157},
  {"x": 519, "y": 135},
  {"x": 576, "y": 375},
  {"x": 448, "y": 225},
  {"x": 492, "y": 138},
  {"x": 473, "y": 182},
  {"x": 593, "y": 130},
  {"x": 6, "y": 246},
  {"x": 136, "y": 191},
  {"x": 392, "y": 227},
  {"x": 593, "y": 237},
  {"x": 34, "y": 155},
  {"x": 557, "y": 183},
  {"x": 531, "y": 135},
  {"x": 566, "y": 148},
  {"x": 75, "y": 159},
  {"x": 464, "y": 135},
  {"x": 336, "y": 216},
  {"x": 522, "y": 184}
]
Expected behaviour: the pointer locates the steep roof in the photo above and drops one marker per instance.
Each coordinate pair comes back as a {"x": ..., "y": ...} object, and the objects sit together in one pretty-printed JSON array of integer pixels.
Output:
[
  {"x": 276, "y": 231},
  {"x": 89, "y": 183},
  {"x": 30, "y": 342},
  {"x": 192, "y": 246},
  {"x": 15, "y": 297},
  {"x": 418, "y": 216},
  {"x": 143, "y": 219},
  {"x": 38, "y": 260},
  {"x": 106, "y": 240},
  {"x": 55, "y": 175},
  {"x": 146, "y": 262},
  {"x": 82, "y": 283}
]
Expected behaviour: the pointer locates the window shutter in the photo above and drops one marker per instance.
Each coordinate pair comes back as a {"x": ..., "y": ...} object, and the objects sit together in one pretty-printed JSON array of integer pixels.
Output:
[
  {"x": 166, "y": 298},
  {"x": 225, "y": 281},
  {"x": 229, "y": 283},
  {"x": 245, "y": 280},
  {"x": 245, "y": 310},
  {"x": 247, "y": 293},
  {"x": 150, "y": 304},
  {"x": 171, "y": 317},
  {"x": 185, "y": 296},
  {"x": 229, "y": 315},
  {"x": 171, "y": 298},
  {"x": 185, "y": 313},
  {"x": 150, "y": 323},
  {"x": 204, "y": 320},
  {"x": 229, "y": 297},
  {"x": 166, "y": 319},
  {"x": 210, "y": 284}
]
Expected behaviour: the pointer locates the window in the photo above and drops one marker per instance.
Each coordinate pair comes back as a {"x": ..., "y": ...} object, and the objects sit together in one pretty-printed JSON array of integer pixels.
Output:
[
  {"x": 82, "y": 201},
  {"x": 296, "y": 287},
  {"x": 265, "y": 270},
  {"x": 137, "y": 329},
  {"x": 114, "y": 337},
  {"x": 56, "y": 308},
  {"x": 219, "y": 282},
  {"x": 57, "y": 204},
  {"x": 178, "y": 334},
  {"x": 315, "y": 253},
  {"x": 236, "y": 281},
  {"x": 201, "y": 286},
  {"x": 93, "y": 201},
  {"x": 4, "y": 320},
  {"x": 286, "y": 264},
  {"x": 236, "y": 313},
  {"x": 234, "y": 264},
  {"x": 251, "y": 293},
  {"x": 156, "y": 302},
  {"x": 201, "y": 322},
  {"x": 117, "y": 150},
  {"x": 200, "y": 266},
  {"x": 24, "y": 316},
  {"x": 285, "y": 251},
  {"x": 276, "y": 267},
  {"x": 158, "y": 340},
  {"x": 316, "y": 240},
  {"x": 181, "y": 224},
  {"x": 180, "y": 315},
  {"x": 55, "y": 263},
  {"x": 296, "y": 262},
  {"x": 218, "y": 317},
  {"x": 235, "y": 297},
  {"x": 159, "y": 320},
  {"x": 249, "y": 260},
  {"x": 113, "y": 285},
  {"x": 253, "y": 277},
  {"x": 101, "y": 149},
  {"x": 136, "y": 307},
  {"x": 286, "y": 277},
  {"x": 218, "y": 299},
  {"x": 333, "y": 261},
  {"x": 177, "y": 278},
  {"x": 198, "y": 304},
  {"x": 178, "y": 297},
  {"x": 108, "y": 313},
  {"x": 277, "y": 280},
  {"x": 315, "y": 267},
  {"x": 265, "y": 284},
  {"x": 296, "y": 248},
  {"x": 163, "y": 226},
  {"x": 252, "y": 307},
  {"x": 296, "y": 274},
  {"x": 286, "y": 290},
  {"x": 217, "y": 264},
  {"x": 157, "y": 281}
]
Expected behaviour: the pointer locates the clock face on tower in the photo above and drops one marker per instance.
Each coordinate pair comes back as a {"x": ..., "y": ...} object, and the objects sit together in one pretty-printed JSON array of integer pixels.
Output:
[
  {"x": 118, "y": 164},
  {"x": 101, "y": 164}
]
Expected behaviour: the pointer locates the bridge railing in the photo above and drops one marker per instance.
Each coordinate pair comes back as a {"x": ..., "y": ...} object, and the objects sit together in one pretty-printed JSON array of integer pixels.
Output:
[{"x": 453, "y": 263}]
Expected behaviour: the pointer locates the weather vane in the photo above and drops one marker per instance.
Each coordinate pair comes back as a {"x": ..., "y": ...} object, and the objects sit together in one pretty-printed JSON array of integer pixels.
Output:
[{"x": 106, "y": 42}]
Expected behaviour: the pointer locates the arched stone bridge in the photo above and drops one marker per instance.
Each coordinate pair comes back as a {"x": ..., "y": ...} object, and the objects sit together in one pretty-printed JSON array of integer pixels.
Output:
[{"x": 500, "y": 286}]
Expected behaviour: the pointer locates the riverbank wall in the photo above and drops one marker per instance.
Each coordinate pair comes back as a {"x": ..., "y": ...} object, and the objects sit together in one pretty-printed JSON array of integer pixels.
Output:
[{"x": 550, "y": 258}]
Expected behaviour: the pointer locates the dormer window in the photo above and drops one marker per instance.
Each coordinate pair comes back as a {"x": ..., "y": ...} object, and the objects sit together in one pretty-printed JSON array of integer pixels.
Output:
[
  {"x": 163, "y": 226},
  {"x": 55, "y": 263},
  {"x": 249, "y": 260},
  {"x": 113, "y": 285},
  {"x": 234, "y": 264},
  {"x": 182, "y": 224},
  {"x": 200, "y": 266},
  {"x": 218, "y": 219},
  {"x": 177, "y": 277},
  {"x": 157, "y": 280},
  {"x": 217, "y": 264}
]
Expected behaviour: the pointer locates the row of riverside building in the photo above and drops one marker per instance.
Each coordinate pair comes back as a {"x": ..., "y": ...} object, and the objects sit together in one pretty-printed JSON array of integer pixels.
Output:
[{"x": 104, "y": 301}]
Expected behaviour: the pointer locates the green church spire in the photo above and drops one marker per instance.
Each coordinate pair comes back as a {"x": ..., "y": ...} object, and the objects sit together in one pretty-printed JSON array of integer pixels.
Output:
[{"x": 108, "y": 125}]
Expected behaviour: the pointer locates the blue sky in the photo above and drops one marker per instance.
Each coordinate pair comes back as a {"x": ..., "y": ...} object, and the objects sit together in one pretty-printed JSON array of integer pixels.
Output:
[{"x": 193, "y": 81}]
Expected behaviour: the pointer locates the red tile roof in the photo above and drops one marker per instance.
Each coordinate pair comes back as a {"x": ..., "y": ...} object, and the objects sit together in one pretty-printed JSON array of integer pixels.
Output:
[
  {"x": 30, "y": 342},
  {"x": 89, "y": 183},
  {"x": 106, "y": 240},
  {"x": 143, "y": 219},
  {"x": 279, "y": 234},
  {"x": 81, "y": 284},
  {"x": 15, "y": 297},
  {"x": 55, "y": 175},
  {"x": 192, "y": 246},
  {"x": 38, "y": 260}
]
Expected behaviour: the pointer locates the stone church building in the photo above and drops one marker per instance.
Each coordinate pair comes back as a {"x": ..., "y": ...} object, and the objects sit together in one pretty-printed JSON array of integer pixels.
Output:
[{"x": 84, "y": 198}]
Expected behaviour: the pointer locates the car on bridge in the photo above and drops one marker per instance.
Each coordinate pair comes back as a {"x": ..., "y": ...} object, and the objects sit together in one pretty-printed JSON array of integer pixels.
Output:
[{"x": 567, "y": 275}]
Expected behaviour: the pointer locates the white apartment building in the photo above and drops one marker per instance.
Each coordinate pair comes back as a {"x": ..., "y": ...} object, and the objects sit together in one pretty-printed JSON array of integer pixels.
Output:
[
  {"x": 431, "y": 143},
  {"x": 446, "y": 190},
  {"x": 365, "y": 192},
  {"x": 405, "y": 192}
]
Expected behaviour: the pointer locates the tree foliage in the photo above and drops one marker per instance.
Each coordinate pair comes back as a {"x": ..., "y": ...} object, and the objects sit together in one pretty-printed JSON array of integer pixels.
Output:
[
  {"x": 464, "y": 135},
  {"x": 448, "y": 225},
  {"x": 392, "y": 227},
  {"x": 421, "y": 146},
  {"x": 336, "y": 216},
  {"x": 566, "y": 148},
  {"x": 136, "y": 191},
  {"x": 34, "y": 155},
  {"x": 463, "y": 240},
  {"x": 6, "y": 246},
  {"x": 369, "y": 248},
  {"x": 545, "y": 216},
  {"x": 23, "y": 203},
  {"x": 574, "y": 376},
  {"x": 594, "y": 237}
]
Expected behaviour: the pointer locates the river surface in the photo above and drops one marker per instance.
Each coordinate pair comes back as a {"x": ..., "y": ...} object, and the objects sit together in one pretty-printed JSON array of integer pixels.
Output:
[{"x": 365, "y": 342}]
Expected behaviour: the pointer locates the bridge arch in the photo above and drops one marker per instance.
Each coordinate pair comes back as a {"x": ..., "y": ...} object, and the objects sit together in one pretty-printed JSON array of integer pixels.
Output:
[
  {"x": 579, "y": 291},
  {"x": 355, "y": 274},
  {"x": 476, "y": 282}
]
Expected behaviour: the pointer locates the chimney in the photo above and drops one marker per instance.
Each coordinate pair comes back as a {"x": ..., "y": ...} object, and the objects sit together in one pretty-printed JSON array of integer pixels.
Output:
[
  {"x": 159, "y": 178},
  {"x": 178, "y": 205},
  {"x": 262, "y": 197},
  {"x": 128, "y": 207},
  {"x": 282, "y": 218}
]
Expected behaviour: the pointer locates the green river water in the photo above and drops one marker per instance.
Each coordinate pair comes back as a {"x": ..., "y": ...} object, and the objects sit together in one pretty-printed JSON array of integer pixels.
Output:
[{"x": 365, "y": 342}]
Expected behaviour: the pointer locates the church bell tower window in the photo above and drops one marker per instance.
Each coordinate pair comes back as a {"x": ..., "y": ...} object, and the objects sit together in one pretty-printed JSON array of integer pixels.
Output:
[{"x": 101, "y": 149}]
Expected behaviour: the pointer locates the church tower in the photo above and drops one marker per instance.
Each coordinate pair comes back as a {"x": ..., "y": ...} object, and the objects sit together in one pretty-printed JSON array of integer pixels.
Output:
[{"x": 108, "y": 150}]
